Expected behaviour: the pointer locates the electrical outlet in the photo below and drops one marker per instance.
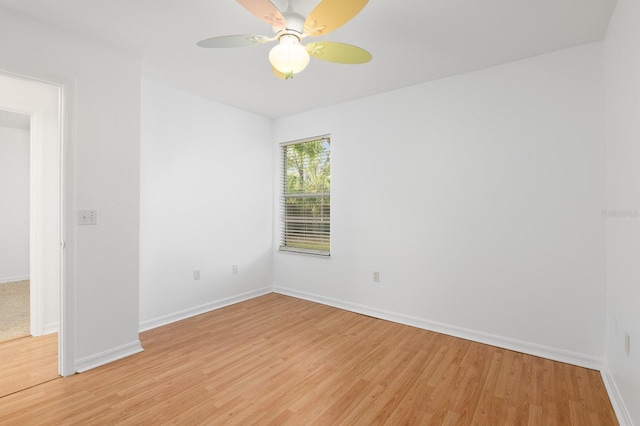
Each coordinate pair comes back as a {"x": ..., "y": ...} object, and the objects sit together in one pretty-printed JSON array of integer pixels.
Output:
[
  {"x": 234, "y": 269},
  {"x": 196, "y": 274},
  {"x": 627, "y": 343},
  {"x": 376, "y": 276}
]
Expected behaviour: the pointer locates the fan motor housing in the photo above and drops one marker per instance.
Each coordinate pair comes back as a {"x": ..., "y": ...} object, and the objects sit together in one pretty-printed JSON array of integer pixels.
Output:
[{"x": 294, "y": 21}]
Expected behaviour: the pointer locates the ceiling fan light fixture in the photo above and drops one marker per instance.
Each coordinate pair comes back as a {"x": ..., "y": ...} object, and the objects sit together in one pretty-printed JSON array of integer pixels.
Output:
[{"x": 289, "y": 56}]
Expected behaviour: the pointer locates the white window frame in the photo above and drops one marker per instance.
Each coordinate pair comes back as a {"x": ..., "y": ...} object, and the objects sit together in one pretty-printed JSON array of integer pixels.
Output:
[{"x": 284, "y": 195}]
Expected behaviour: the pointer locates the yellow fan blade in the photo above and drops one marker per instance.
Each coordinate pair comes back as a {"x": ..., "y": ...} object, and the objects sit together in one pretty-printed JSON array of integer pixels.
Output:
[
  {"x": 341, "y": 53},
  {"x": 266, "y": 11},
  {"x": 331, "y": 14}
]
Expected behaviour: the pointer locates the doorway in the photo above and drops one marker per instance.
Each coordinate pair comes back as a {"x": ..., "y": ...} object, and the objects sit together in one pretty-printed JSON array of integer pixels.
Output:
[
  {"x": 14, "y": 225},
  {"x": 41, "y": 103}
]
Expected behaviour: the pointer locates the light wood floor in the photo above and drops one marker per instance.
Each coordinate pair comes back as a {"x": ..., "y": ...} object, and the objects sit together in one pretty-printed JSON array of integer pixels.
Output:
[
  {"x": 279, "y": 360},
  {"x": 26, "y": 362}
]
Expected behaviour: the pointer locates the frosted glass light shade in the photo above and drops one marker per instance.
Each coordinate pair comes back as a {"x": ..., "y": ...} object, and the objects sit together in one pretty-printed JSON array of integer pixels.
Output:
[{"x": 289, "y": 56}]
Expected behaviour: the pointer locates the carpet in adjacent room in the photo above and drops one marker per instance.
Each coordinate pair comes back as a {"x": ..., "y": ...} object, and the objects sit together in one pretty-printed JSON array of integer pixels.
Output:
[{"x": 14, "y": 310}]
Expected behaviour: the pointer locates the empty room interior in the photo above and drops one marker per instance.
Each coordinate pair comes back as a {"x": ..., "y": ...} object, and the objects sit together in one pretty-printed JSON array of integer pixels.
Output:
[{"x": 435, "y": 219}]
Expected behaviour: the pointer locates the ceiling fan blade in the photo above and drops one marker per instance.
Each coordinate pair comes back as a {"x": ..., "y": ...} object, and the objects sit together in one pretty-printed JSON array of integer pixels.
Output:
[
  {"x": 331, "y": 14},
  {"x": 341, "y": 53},
  {"x": 234, "y": 41},
  {"x": 266, "y": 11}
]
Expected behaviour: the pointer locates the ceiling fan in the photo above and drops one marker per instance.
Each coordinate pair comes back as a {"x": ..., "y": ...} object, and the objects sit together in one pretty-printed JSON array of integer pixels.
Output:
[{"x": 289, "y": 56}]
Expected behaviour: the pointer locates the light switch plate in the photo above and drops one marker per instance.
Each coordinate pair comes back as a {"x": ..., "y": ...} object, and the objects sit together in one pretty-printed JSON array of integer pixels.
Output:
[{"x": 87, "y": 217}]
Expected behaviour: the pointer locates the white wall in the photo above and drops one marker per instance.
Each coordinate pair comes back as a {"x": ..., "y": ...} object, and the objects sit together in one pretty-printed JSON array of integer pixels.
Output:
[
  {"x": 14, "y": 213},
  {"x": 206, "y": 204},
  {"x": 623, "y": 192},
  {"x": 478, "y": 198},
  {"x": 103, "y": 102}
]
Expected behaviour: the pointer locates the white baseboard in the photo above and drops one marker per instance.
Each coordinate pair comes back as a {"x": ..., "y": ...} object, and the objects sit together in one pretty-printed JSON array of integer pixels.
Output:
[
  {"x": 619, "y": 407},
  {"x": 14, "y": 279},
  {"x": 93, "y": 361},
  {"x": 51, "y": 328},
  {"x": 207, "y": 307},
  {"x": 463, "y": 333}
]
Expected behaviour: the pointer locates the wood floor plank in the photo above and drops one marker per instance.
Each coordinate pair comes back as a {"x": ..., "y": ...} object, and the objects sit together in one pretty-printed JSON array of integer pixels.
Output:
[
  {"x": 284, "y": 361},
  {"x": 27, "y": 361}
]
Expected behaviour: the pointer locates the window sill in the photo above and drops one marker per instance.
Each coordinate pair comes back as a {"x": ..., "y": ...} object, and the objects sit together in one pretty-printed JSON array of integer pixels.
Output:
[{"x": 307, "y": 252}]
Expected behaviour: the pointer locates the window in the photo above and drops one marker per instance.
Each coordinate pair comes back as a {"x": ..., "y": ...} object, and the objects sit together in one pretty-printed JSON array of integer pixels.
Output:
[{"x": 305, "y": 202}]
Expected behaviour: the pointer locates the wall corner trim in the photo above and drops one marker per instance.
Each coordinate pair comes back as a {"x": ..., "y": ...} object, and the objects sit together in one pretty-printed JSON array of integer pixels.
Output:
[
  {"x": 102, "y": 358},
  {"x": 619, "y": 407},
  {"x": 534, "y": 349},
  {"x": 207, "y": 307}
]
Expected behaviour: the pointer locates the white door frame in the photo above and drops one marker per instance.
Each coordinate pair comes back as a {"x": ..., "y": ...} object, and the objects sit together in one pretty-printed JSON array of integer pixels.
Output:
[{"x": 51, "y": 221}]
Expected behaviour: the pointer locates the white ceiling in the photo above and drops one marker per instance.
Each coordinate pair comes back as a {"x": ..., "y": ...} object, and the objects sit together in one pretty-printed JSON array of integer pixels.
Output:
[{"x": 412, "y": 41}]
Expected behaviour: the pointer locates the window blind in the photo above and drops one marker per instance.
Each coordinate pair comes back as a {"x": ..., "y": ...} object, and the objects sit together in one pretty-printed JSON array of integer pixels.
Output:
[{"x": 305, "y": 208}]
